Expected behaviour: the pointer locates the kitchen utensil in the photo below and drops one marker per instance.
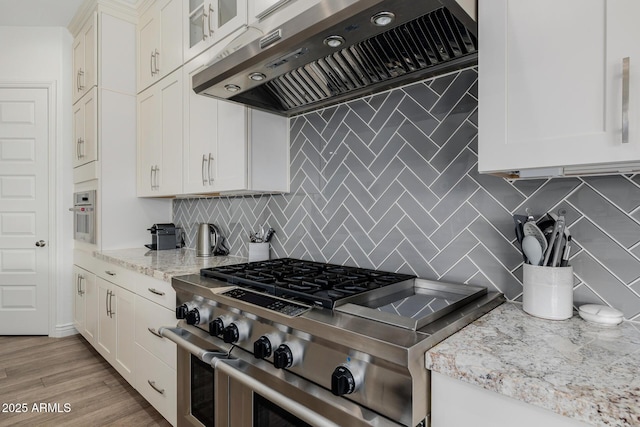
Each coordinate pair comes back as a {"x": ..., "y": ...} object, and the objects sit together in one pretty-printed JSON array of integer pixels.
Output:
[
  {"x": 269, "y": 235},
  {"x": 530, "y": 228},
  {"x": 567, "y": 250},
  {"x": 558, "y": 243},
  {"x": 532, "y": 250}
]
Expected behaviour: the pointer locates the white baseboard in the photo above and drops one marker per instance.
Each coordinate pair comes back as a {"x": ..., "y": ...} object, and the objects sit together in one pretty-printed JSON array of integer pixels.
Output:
[{"x": 64, "y": 331}]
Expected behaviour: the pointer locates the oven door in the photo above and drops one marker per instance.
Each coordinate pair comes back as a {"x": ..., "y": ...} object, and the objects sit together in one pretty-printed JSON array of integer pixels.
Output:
[
  {"x": 259, "y": 395},
  {"x": 196, "y": 386}
]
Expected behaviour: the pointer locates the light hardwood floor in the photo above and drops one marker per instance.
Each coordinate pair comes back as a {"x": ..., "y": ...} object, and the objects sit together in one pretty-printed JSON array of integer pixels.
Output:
[{"x": 36, "y": 370}]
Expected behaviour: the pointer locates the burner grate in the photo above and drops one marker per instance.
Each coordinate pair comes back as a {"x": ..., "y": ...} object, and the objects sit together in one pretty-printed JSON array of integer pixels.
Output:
[{"x": 308, "y": 281}]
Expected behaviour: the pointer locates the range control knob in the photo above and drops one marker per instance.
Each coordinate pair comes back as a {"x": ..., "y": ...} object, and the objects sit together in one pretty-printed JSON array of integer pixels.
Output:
[
  {"x": 193, "y": 317},
  {"x": 283, "y": 357},
  {"x": 237, "y": 331},
  {"x": 344, "y": 381},
  {"x": 216, "y": 328},
  {"x": 181, "y": 311},
  {"x": 262, "y": 347}
]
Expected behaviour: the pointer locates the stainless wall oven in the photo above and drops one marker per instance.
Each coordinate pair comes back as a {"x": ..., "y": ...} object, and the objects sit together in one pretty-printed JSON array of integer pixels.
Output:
[{"x": 84, "y": 216}]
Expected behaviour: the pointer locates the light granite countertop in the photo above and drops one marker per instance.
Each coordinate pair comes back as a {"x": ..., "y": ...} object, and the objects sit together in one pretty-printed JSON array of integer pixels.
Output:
[
  {"x": 577, "y": 369},
  {"x": 165, "y": 264}
]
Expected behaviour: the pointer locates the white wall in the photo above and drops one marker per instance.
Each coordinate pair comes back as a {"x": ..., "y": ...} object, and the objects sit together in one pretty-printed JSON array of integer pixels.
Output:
[{"x": 43, "y": 54}]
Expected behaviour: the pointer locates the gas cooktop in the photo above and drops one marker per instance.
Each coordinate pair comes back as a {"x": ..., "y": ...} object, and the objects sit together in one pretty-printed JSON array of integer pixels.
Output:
[{"x": 328, "y": 285}]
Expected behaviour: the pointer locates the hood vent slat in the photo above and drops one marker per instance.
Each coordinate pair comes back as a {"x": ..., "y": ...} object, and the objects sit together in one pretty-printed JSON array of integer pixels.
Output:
[{"x": 426, "y": 41}]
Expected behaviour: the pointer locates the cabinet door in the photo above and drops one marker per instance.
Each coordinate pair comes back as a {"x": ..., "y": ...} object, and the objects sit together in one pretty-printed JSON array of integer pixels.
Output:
[
  {"x": 106, "y": 339},
  {"x": 148, "y": 145},
  {"x": 85, "y": 59},
  {"x": 232, "y": 147},
  {"x": 170, "y": 53},
  {"x": 553, "y": 97},
  {"x": 85, "y": 117},
  {"x": 91, "y": 307},
  {"x": 148, "y": 45},
  {"x": 169, "y": 171},
  {"x": 200, "y": 138},
  {"x": 124, "y": 315},
  {"x": 210, "y": 21}
]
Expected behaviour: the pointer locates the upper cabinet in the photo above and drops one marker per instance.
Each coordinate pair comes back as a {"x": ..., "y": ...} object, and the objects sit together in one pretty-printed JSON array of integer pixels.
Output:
[
  {"x": 209, "y": 21},
  {"x": 159, "y": 41},
  {"x": 85, "y": 131},
  {"x": 84, "y": 59},
  {"x": 559, "y": 87}
]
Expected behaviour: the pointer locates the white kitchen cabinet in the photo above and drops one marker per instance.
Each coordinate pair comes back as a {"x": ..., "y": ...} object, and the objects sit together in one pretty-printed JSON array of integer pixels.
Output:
[
  {"x": 84, "y": 313},
  {"x": 159, "y": 41},
  {"x": 209, "y": 21},
  {"x": 551, "y": 86},
  {"x": 485, "y": 408},
  {"x": 160, "y": 138},
  {"x": 157, "y": 383},
  {"x": 115, "y": 339},
  {"x": 85, "y": 131},
  {"x": 84, "y": 59},
  {"x": 228, "y": 148}
]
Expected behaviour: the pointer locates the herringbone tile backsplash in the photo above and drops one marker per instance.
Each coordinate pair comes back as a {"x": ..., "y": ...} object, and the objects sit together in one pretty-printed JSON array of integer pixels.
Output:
[{"x": 390, "y": 182}]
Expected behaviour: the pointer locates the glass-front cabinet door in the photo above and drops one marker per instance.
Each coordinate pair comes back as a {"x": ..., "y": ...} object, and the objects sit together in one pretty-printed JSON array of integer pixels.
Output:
[{"x": 210, "y": 21}]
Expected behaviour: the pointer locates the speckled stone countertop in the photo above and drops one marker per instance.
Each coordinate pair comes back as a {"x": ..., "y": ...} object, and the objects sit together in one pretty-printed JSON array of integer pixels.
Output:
[
  {"x": 577, "y": 369},
  {"x": 165, "y": 264}
]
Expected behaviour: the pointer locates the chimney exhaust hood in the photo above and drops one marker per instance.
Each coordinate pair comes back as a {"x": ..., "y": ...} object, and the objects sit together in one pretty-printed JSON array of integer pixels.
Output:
[{"x": 340, "y": 50}]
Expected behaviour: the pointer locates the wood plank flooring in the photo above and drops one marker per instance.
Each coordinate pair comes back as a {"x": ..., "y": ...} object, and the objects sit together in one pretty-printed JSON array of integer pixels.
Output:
[{"x": 43, "y": 370}]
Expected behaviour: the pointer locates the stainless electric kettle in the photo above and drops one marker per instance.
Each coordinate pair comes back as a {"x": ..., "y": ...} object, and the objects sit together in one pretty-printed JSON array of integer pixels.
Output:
[{"x": 210, "y": 241}]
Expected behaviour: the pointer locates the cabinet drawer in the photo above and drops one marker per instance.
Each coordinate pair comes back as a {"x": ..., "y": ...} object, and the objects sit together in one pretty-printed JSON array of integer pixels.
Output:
[
  {"x": 158, "y": 291},
  {"x": 157, "y": 383},
  {"x": 116, "y": 274},
  {"x": 149, "y": 318}
]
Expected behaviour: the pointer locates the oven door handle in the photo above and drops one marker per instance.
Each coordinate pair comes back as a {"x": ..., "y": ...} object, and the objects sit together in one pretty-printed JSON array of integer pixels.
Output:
[
  {"x": 295, "y": 408},
  {"x": 179, "y": 336}
]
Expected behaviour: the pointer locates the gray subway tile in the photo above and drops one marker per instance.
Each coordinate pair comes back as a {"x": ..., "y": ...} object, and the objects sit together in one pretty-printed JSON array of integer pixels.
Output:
[
  {"x": 500, "y": 277},
  {"x": 605, "y": 250},
  {"x": 359, "y": 148},
  {"x": 418, "y": 188},
  {"x": 450, "y": 255},
  {"x": 617, "y": 188},
  {"x": 335, "y": 122},
  {"x": 384, "y": 111},
  {"x": 461, "y": 111},
  {"x": 529, "y": 186},
  {"x": 449, "y": 151},
  {"x": 494, "y": 212},
  {"x": 606, "y": 216},
  {"x": 417, "y": 213},
  {"x": 358, "y": 126},
  {"x": 380, "y": 252},
  {"x": 605, "y": 284},
  {"x": 387, "y": 132},
  {"x": 499, "y": 188},
  {"x": 389, "y": 220},
  {"x": 453, "y": 226},
  {"x": 465, "y": 161},
  {"x": 363, "y": 109},
  {"x": 417, "y": 115},
  {"x": 440, "y": 84},
  {"x": 389, "y": 198},
  {"x": 453, "y": 93},
  {"x": 422, "y": 94},
  {"x": 550, "y": 194},
  {"x": 461, "y": 272},
  {"x": 360, "y": 214},
  {"x": 584, "y": 295},
  {"x": 450, "y": 203},
  {"x": 327, "y": 113},
  {"x": 317, "y": 121},
  {"x": 418, "y": 140},
  {"x": 387, "y": 176},
  {"x": 496, "y": 243},
  {"x": 418, "y": 244}
]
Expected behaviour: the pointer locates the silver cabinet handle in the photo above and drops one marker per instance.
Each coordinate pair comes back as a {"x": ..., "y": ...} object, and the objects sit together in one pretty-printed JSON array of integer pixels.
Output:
[
  {"x": 111, "y": 305},
  {"x": 110, "y": 273},
  {"x": 152, "y": 58},
  {"x": 81, "y": 79},
  {"x": 153, "y": 386},
  {"x": 204, "y": 176},
  {"x": 180, "y": 337},
  {"x": 78, "y": 284},
  {"x": 78, "y": 149},
  {"x": 106, "y": 300},
  {"x": 156, "y": 184},
  {"x": 211, "y": 160},
  {"x": 625, "y": 100},
  {"x": 205, "y": 18},
  {"x": 155, "y": 291},
  {"x": 157, "y": 56},
  {"x": 209, "y": 19},
  {"x": 151, "y": 177},
  {"x": 153, "y": 331},
  {"x": 295, "y": 408},
  {"x": 81, "y": 148},
  {"x": 78, "y": 81},
  {"x": 80, "y": 280}
]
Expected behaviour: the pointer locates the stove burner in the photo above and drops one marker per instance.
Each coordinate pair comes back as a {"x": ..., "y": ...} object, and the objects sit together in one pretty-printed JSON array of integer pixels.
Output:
[{"x": 307, "y": 281}]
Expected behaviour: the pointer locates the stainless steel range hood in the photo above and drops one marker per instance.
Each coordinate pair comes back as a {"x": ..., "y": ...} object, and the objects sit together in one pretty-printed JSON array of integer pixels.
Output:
[{"x": 337, "y": 51}]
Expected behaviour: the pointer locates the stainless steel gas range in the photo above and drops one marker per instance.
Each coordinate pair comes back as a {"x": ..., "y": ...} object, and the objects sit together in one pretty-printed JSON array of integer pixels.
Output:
[{"x": 291, "y": 343}]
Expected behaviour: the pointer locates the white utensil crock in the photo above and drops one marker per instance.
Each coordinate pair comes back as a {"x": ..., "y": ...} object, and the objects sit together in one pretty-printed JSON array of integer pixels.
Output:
[{"x": 548, "y": 292}]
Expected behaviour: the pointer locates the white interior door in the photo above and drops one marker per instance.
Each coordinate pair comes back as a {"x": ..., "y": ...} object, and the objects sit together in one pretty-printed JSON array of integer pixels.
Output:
[{"x": 24, "y": 203}]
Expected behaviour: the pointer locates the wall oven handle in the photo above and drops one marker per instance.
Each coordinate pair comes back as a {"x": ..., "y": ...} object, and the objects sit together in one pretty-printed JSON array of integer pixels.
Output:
[
  {"x": 284, "y": 402},
  {"x": 177, "y": 335}
]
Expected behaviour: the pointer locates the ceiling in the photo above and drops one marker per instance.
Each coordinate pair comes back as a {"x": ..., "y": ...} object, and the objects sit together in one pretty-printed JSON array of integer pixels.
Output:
[{"x": 40, "y": 13}]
